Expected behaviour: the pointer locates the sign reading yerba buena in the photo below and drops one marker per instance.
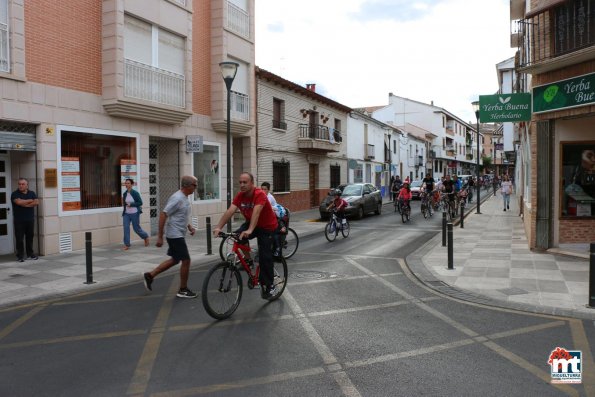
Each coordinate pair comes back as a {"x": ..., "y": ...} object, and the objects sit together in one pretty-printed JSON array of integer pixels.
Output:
[
  {"x": 564, "y": 94},
  {"x": 505, "y": 108}
]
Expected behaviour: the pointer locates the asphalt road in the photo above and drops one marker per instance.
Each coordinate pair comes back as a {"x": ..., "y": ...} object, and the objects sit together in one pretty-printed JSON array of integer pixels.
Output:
[{"x": 353, "y": 321}]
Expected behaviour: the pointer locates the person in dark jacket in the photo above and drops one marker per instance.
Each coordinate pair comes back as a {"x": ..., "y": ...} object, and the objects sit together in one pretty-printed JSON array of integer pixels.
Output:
[
  {"x": 23, "y": 203},
  {"x": 132, "y": 203}
]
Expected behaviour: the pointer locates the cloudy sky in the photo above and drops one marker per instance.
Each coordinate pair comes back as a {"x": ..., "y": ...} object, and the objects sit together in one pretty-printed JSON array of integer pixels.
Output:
[{"x": 357, "y": 51}]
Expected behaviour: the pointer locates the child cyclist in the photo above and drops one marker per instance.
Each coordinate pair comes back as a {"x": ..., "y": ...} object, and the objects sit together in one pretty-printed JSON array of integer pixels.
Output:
[
  {"x": 282, "y": 214},
  {"x": 405, "y": 195},
  {"x": 339, "y": 205}
]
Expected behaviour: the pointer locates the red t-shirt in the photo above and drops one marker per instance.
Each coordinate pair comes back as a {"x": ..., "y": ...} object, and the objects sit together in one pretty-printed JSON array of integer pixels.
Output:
[
  {"x": 340, "y": 204},
  {"x": 267, "y": 219}
]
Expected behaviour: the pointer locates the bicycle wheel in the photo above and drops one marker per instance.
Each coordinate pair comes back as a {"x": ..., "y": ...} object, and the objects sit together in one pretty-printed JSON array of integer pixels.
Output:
[
  {"x": 330, "y": 231},
  {"x": 280, "y": 277},
  {"x": 225, "y": 248},
  {"x": 290, "y": 244},
  {"x": 404, "y": 215},
  {"x": 408, "y": 213},
  {"x": 345, "y": 229},
  {"x": 395, "y": 205},
  {"x": 424, "y": 210},
  {"x": 222, "y": 290}
]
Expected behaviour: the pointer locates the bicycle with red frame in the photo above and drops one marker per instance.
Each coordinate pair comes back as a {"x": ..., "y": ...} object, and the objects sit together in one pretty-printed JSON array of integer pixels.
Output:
[{"x": 223, "y": 286}]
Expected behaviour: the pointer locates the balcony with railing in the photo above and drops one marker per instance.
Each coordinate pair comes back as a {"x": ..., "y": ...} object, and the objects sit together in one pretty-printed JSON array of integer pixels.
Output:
[
  {"x": 280, "y": 125},
  {"x": 556, "y": 37},
  {"x": 237, "y": 20},
  {"x": 317, "y": 138},
  {"x": 4, "y": 51},
  {"x": 240, "y": 106},
  {"x": 149, "y": 93},
  {"x": 153, "y": 84}
]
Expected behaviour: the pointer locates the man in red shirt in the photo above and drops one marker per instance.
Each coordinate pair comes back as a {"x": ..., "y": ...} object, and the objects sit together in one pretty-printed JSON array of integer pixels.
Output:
[{"x": 261, "y": 222}]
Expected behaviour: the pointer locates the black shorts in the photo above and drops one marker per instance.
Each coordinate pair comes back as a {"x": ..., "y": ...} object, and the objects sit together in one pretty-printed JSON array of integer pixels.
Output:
[{"x": 178, "y": 249}]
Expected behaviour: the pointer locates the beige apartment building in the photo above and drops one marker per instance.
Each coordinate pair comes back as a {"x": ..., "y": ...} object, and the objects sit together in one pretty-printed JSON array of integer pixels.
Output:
[
  {"x": 556, "y": 42},
  {"x": 93, "y": 92},
  {"x": 302, "y": 141}
]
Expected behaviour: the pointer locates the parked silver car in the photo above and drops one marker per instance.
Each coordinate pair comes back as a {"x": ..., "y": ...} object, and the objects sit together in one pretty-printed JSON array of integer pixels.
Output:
[{"x": 362, "y": 198}]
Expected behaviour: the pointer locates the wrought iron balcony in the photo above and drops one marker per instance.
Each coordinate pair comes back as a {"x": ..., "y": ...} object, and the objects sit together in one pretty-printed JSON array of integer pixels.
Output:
[
  {"x": 318, "y": 138},
  {"x": 556, "y": 34},
  {"x": 280, "y": 125}
]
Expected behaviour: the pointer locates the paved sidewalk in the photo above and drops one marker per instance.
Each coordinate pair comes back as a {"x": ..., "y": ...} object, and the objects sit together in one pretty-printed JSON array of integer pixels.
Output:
[
  {"x": 53, "y": 276},
  {"x": 493, "y": 265}
]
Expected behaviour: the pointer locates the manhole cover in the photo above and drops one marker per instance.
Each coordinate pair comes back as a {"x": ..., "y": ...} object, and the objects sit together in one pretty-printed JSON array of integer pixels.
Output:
[{"x": 312, "y": 275}]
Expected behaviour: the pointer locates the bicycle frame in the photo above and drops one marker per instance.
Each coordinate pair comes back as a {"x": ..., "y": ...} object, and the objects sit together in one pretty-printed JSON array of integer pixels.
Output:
[
  {"x": 238, "y": 251},
  {"x": 335, "y": 219}
]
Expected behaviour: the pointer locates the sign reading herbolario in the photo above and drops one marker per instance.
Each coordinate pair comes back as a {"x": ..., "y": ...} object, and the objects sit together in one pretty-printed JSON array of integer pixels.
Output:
[
  {"x": 564, "y": 94},
  {"x": 505, "y": 108}
]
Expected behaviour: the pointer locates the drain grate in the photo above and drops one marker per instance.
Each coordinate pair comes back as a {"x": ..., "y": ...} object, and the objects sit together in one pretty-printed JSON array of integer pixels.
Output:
[
  {"x": 16, "y": 275},
  {"x": 437, "y": 283}
]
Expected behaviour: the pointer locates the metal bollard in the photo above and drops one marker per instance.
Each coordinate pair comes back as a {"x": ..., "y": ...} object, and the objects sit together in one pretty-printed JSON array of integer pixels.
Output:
[
  {"x": 462, "y": 214},
  {"x": 592, "y": 276},
  {"x": 450, "y": 247},
  {"x": 89, "y": 257},
  {"x": 209, "y": 244},
  {"x": 443, "y": 228}
]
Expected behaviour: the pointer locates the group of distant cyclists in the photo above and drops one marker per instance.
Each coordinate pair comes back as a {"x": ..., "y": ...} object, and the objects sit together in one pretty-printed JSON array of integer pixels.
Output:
[{"x": 447, "y": 191}]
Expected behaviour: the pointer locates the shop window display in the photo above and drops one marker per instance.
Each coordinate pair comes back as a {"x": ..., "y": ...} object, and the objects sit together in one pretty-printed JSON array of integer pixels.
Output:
[
  {"x": 206, "y": 169},
  {"x": 578, "y": 179}
]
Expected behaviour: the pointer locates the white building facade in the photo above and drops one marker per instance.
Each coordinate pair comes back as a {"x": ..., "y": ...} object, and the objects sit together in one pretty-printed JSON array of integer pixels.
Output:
[
  {"x": 371, "y": 151},
  {"x": 452, "y": 149}
]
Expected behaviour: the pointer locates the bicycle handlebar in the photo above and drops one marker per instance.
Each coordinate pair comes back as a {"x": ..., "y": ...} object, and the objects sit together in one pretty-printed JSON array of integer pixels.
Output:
[{"x": 232, "y": 235}]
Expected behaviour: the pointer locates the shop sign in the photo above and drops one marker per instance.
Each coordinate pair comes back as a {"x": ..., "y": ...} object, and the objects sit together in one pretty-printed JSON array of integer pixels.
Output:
[
  {"x": 564, "y": 94},
  {"x": 50, "y": 177},
  {"x": 194, "y": 144},
  {"x": 71, "y": 184},
  {"x": 505, "y": 108}
]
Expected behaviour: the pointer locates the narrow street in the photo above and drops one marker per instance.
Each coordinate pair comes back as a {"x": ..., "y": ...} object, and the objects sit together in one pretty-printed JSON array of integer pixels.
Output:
[{"x": 353, "y": 321}]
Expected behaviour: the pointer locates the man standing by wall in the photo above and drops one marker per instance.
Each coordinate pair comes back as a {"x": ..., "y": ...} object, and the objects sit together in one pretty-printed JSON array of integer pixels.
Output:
[{"x": 23, "y": 203}]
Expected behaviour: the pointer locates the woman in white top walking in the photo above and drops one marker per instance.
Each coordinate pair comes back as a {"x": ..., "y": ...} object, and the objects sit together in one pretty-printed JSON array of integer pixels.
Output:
[{"x": 506, "y": 192}]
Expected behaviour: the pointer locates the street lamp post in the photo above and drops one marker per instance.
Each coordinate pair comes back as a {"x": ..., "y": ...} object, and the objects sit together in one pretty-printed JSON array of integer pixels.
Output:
[
  {"x": 475, "y": 105},
  {"x": 228, "y": 71}
]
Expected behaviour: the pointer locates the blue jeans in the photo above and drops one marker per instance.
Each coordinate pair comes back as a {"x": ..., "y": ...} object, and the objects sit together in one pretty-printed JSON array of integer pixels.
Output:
[
  {"x": 135, "y": 220},
  {"x": 506, "y": 198}
]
